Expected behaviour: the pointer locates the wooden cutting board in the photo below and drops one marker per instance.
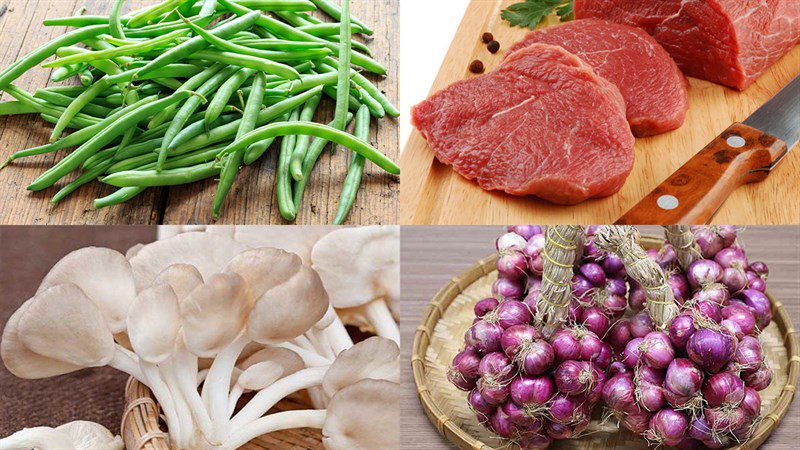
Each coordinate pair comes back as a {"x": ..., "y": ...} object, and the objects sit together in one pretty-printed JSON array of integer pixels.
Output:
[
  {"x": 432, "y": 193},
  {"x": 252, "y": 200}
]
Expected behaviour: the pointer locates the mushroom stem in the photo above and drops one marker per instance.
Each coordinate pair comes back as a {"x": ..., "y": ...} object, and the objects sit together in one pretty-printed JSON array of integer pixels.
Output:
[
  {"x": 381, "y": 318},
  {"x": 267, "y": 398},
  {"x": 167, "y": 370},
  {"x": 218, "y": 382},
  {"x": 236, "y": 393},
  {"x": 37, "y": 437},
  {"x": 126, "y": 361},
  {"x": 186, "y": 374},
  {"x": 309, "y": 418},
  {"x": 337, "y": 336},
  {"x": 153, "y": 380},
  {"x": 310, "y": 358},
  {"x": 321, "y": 343}
]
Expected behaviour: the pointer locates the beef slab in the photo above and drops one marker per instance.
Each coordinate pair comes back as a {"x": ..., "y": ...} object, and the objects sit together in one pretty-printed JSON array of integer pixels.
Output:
[
  {"x": 542, "y": 124},
  {"x": 730, "y": 42},
  {"x": 654, "y": 89}
]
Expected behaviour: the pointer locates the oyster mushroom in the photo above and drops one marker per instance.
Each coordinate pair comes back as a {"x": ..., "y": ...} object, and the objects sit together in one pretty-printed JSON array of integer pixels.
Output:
[{"x": 360, "y": 268}]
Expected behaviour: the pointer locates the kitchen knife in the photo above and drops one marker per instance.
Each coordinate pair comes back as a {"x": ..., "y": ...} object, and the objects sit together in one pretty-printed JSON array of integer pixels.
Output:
[{"x": 744, "y": 153}]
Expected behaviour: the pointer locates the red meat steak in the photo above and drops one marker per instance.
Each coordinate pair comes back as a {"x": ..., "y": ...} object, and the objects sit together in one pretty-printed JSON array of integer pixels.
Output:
[
  {"x": 653, "y": 87},
  {"x": 542, "y": 124},
  {"x": 731, "y": 42}
]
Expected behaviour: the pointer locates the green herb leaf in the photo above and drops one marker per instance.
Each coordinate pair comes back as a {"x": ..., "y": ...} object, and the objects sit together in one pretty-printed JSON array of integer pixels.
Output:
[{"x": 530, "y": 13}]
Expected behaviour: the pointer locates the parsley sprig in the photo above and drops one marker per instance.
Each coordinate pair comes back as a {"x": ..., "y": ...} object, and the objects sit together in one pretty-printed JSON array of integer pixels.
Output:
[{"x": 530, "y": 12}]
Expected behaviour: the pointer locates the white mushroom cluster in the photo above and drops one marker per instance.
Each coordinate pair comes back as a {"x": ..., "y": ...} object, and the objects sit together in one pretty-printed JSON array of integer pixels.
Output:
[{"x": 203, "y": 317}]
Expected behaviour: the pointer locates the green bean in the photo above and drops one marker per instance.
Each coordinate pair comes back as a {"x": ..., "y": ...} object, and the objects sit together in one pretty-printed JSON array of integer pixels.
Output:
[
  {"x": 60, "y": 74},
  {"x": 278, "y": 5},
  {"x": 293, "y": 19},
  {"x": 330, "y": 91},
  {"x": 198, "y": 43},
  {"x": 271, "y": 55},
  {"x": 82, "y": 179},
  {"x": 258, "y": 149},
  {"x": 247, "y": 124},
  {"x": 302, "y": 142},
  {"x": 352, "y": 181},
  {"x": 306, "y": 82},
  {"x": 85, "y": 76},
  {"x": 325, "y": 29},
  {"x": 15, "y": 108},
  {"x": 285, "y": 31},
  {"x": 125, "y": 50},
  {"x": 323, "y": 131},
  {"x": 72, "y": 91},
  {"x": 278, "y": 44},
  {"x": 37, "y": 56},
  {"x": 114, "y": 21},
  {"x": 121, "y": 195},
  {"x": 77, "y": 123},
  {"x": 208, "y": 9},
  {"x": 45, "y": 108},
  {"x": 312, "y": 155},
  {"x": 191, "y": 84},
  {"x": 107, "y": 66},
  {"x": 356, "y": 44},
  {"x": 77, "y": 21},
  {"x": 152, "y": 13},
  {"x": 224, "y": 94},
  {"x": 90, "y": 147},
  {"x": 283, "y": 182},
  {"x": 160, "y": 29},
  {"x": 248, "y": 61},
  {"x": 62, "y": 100},
  {"x": 169, "y": 177},
  {"x": 189, "y": 108},
  {"x": 333, "y": 10},
  {"x": 343, "y": 81},
  {"x": 192, "y": 138},
  {"x": 148, "y": 161}
]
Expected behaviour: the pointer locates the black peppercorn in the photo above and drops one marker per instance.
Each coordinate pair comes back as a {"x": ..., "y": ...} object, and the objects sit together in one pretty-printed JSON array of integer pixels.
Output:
[
  {"x": 493, "y": 46},
  {"x": 476, "y": 66},
  {"x": 487, "y": 37}
]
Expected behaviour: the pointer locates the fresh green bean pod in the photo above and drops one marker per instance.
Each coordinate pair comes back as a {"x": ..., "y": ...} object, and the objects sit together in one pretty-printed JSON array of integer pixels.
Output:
[
  {"x": 331, "y": 9},
  {"x": 119, "y": 196},
  {"x": 312, "y": 155},
  {"x": 224, "y": 94},
  {"x": 251, "y": 62},
  {"x": 84, "y": 178},
  {"x": 283, "y": 181},
  {"x": 167, "y": 177},
  {"x": 352, "y": 181},
  {"x": 302, "y": 142}
]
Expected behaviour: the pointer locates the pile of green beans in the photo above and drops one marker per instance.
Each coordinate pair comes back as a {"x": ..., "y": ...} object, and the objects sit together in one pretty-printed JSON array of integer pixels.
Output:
[{"x": 187, "y": 90}]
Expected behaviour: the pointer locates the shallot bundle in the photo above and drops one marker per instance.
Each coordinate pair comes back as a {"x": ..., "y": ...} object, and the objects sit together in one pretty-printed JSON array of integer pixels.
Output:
[
  {"x": 691, "y": 380},
  {"x": 697, "y": 381}
]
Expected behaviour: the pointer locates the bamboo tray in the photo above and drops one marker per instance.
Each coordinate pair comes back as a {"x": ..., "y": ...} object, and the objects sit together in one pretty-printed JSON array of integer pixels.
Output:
[
  {"x": 440, "y": 337},
  {"x": 142, "y": 428}
]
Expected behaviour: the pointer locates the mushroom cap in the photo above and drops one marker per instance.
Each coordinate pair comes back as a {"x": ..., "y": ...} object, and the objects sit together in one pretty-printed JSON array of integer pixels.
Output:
[
  {"x": 290, "y": 361},
  {"x": 44, "y": 438},
  {"x": 154, "y": 322},
  {"x": 104, "y": 275},
  {"x": 215, "y": 313},
  {"x": 23, "y": 362},
  {"x": 131, "y": 252},
  {"x": 264, "y": 268},
  {"x": 62, "y": 323},
  {"x": 358, "y": 265},
  {"x": 209, "y": 253},
  {"x": 288, "y": 309},
  {"x": 87, "y": 435},
  {"x": 182, "y": 278},
  {"x": 276, "y": 236},
  {"x": 375, "y": 358},
  {"x": 260, "y": 375},
  {"x": 365, "y": 416}
]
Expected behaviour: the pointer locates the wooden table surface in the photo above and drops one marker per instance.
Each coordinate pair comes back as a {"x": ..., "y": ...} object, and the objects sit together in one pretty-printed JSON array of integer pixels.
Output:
[
  {"x": 433, "y": 255},
  {"x": 433, "y": 194},
  {"x": 251, "y": 200}
]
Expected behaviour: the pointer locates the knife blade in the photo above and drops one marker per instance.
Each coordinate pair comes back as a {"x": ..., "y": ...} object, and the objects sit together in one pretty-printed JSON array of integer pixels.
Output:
[{"x": 744, "y": 153}]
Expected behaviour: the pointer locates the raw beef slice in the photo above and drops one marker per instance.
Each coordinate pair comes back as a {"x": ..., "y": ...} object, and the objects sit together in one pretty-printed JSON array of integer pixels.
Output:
[
  {"x": 730, "y": 42},
  {"x": 542, "y": 124},
  {"x": 653, "y": 87}
]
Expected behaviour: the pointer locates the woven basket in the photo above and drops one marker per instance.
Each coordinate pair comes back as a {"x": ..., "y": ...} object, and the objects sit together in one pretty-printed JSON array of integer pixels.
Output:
[
  {"x": 450, "y": 314},
  {"x": 142, "y": 427}
]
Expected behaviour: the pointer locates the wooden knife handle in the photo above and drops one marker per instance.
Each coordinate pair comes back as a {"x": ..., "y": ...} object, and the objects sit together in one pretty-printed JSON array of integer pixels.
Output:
[{"x": 693, "y": 194}]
